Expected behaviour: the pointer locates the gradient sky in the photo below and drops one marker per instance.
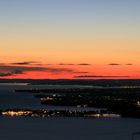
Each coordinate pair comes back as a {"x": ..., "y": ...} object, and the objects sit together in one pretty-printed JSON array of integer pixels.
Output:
[{"x": 69, "y": 38}]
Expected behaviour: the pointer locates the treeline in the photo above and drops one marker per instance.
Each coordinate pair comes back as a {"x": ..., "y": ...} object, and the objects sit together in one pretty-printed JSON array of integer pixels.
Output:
[{"x": 102, "y": 82}]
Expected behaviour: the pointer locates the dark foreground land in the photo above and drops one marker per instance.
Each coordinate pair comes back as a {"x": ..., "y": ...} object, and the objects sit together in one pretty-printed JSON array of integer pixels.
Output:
[{"x": 124, "y": 101}]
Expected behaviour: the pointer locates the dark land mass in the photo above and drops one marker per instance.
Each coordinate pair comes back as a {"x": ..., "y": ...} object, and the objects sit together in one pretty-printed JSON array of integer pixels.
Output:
[
  {"x": 102, "y": 82},
  {"x": 122, "y": 101}
]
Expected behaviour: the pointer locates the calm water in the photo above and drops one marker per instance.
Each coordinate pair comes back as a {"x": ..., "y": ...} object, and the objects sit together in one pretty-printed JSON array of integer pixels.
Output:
[
  {"x": 67, "y": 129},
  {"x": 26, "y": 128}
]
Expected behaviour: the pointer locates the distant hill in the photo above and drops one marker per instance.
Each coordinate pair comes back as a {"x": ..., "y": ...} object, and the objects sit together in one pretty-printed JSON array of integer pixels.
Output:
[{"x": 106, "y": 83}]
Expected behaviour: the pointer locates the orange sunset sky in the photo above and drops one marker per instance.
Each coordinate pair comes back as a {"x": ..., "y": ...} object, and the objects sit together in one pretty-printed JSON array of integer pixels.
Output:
[{"x": 74, "y": 39}]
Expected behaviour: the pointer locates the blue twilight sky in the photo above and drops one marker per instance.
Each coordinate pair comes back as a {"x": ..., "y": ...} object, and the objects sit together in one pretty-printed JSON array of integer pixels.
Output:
[{"x": 70, "y": 15}]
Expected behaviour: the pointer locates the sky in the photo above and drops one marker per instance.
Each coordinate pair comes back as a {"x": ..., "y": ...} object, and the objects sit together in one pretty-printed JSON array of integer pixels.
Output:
[{"x": 76, "y": 39}]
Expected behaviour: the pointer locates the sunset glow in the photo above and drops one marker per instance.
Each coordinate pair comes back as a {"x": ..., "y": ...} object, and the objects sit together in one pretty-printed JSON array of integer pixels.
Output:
[{"x": 70, "y": 39}]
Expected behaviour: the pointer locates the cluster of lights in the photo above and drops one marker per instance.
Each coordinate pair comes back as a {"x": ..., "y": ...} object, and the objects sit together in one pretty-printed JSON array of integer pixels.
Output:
[
  {"x": 46, "y": 113},
  {"x": 138, "y": 103},
  {"x": 47, "y": 99},
  {"x": 16, "y": 113},
  {"x": 104, "y": 115}
]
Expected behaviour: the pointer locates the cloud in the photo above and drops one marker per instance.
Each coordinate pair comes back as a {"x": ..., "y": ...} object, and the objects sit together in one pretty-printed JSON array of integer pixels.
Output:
[
  {"x": 8, "y": 70},
  {"x": 99, "y": 76},
  {"x": 4, "y": 74},
  {"x": 25, "y": 63},
  {"x": 20, "y": 68},
  {"x": 72, "y": 64},
  {"x": 114, "y": 64},
  {"x": 129, "y": 64},
  {"x": 65, "y": 64},
  {"x": 84, "y": 64},
  {"x": 83, "y": 72},
  {"x": 17, "y": 71}
]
